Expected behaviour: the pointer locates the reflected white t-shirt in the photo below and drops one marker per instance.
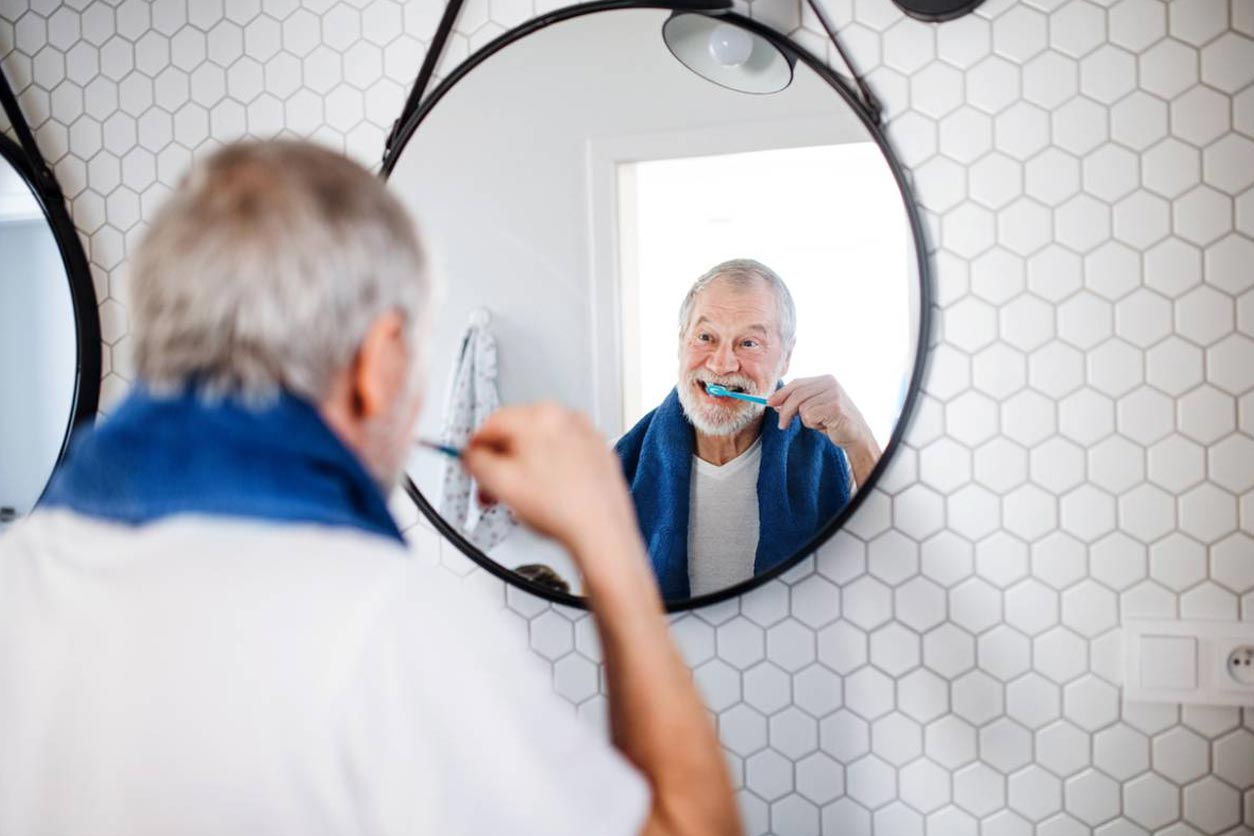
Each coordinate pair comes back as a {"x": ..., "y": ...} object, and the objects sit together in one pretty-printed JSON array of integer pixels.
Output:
[
  {"x": 723, "y": 521},
  {"x": 210, "y": 675}
]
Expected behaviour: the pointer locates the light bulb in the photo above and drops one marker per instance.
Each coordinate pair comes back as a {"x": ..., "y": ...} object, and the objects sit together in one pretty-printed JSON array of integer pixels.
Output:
[{"x": 730, "y": 45}]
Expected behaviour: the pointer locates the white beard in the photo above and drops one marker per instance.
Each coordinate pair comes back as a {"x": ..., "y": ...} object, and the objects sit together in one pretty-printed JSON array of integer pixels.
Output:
[{"x": 726, "y": 416}]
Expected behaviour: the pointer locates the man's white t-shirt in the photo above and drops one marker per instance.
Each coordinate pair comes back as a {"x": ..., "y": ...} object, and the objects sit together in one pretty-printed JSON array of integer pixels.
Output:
[
  {"x": 723, "y": 521},
  {"x": 210, "y": 675}
]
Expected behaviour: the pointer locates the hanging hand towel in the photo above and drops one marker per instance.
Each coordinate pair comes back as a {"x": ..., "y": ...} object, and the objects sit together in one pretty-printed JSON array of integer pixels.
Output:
[{"x": 472, "y": 397}]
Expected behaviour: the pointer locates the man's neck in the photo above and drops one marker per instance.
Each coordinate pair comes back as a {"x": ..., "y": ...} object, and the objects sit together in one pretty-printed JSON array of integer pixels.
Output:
[{"x": 718, "y": 450}]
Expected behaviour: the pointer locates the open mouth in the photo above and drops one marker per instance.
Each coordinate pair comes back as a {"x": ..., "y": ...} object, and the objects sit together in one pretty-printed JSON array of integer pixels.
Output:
[{"x": 730, "y": 387}]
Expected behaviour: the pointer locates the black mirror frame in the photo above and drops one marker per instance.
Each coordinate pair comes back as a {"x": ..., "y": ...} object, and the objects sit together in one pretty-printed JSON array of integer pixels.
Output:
[
  {"x": 86, "y": 398},
  {"x": 870, "y": 120}
]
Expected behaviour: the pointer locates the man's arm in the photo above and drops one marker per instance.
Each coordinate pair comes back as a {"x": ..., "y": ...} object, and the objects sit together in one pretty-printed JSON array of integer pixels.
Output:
[
  {"x": 824, "y": 405},
  {"x": 552, "y": 467}
]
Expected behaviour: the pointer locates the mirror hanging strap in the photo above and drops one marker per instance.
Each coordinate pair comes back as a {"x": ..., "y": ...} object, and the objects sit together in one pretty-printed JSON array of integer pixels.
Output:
[
  {"x": 42, "y": 175},
  {"x": 869, "y": 99}
]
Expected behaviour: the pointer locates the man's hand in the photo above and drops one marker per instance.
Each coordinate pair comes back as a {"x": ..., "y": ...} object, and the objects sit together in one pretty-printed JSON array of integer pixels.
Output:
[
  {"x": 823, "y": 405},
  {"x": 553, "y": 469}
]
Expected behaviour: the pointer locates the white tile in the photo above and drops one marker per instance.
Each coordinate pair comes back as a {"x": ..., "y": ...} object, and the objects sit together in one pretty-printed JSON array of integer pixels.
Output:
[
  {"x": 1033, "y": 701},
  {"x": 870, "y": 781},
  {"x": 1031, "y": 607},
  {"x": 1021, "y": 131},
  {"x": 1150, "y": 801},
  {"x": 1001, "y": 464},
  {"x": 1028, "y": 512},
  {"x": 1079, "y": 126},
  {"x": 1200, "y": 116},
  {"x": 1180, "y": 755},
  {"x": 1059, "y": 560},
  {"x": 1230, "y": 563},
  {"x": 1060, "y": 655},
  {"x": 1227, "y": 164},
  {"x": 993, "y": 84},
  {"x": 869, "y": 693},
  {"x": 1027, "y": 322},
  {"x": 1062, "y": 748},
  {"x": 846, "y": 816},
  {"x": 1076, "y": 29},
  {"x": 817, "y": 691},
  {"x": 1003, "y": 652},
  {"x": 1050, "y": 79},
  {"x": 819, "y": 778},
  {"x": 845, "y": 736},
  {"x": 1211, "y": 805},
  {"x": 575, "y": 678},
  {"x": 1035, "y": 793},
  {"x": 1227, "y": 62},
  {"x": 1168, "y": 68},
  {"x": 1108, "y": 74},
  {"x": 1228, "y": 366},
  {"x": 742, "y": 730},
  {"x": 719, "y": 684},
  {"x": 1196, "y": 21},
  {"x": 1139, "y": 120},
  {"x": 950, "y": 741},
  {"x": 1116, "y": 464},
  {"x": 1092, "y": 797},
  {"x": 1141, "y": 219},
  {"x": 894, "y": 649},
  {"x": 790, "y": 645},
  {"x": 1207, "y": 513},
  {"x": 1136, "y": 24},
  {"x": 979, "y": 789},
  {"x": 793, "y": 733},
  {"x": 1056, "y": 369},
  {"x": 924, "y": 785},
  {"x": 1085, "y": 320},
  {"x": 908, "y": 45},
  {"x": 1020, "y": 33}
]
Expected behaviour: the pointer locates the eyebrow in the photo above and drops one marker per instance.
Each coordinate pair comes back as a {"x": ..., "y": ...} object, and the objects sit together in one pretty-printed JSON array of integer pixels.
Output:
[{"x": 753, "y": 327}]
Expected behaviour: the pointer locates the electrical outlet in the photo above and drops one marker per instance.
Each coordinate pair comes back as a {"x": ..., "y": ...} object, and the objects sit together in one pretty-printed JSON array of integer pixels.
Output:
[
  {"x": 1240, "y": 664},
  {"x": 1192, "y": 662}
]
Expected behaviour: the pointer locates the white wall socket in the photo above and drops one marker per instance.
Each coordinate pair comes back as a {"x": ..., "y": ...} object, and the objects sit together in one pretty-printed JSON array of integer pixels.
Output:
[{"x": 1201, "y": 662}]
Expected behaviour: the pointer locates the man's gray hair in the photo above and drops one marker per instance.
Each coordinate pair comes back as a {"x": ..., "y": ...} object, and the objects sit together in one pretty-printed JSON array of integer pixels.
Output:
[
  {"x": 265, "y": 269},
  {"x": 743, "y": 273}
]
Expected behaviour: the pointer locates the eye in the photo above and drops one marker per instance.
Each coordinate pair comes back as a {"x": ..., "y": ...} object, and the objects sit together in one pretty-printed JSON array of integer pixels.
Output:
[
  {"x": 704, "y": 337},
  {"x": 750, "y": 343}
]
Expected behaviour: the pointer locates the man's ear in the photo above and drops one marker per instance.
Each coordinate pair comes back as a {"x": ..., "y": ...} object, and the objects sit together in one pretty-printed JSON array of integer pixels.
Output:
[{"x": 379, "y": 370}]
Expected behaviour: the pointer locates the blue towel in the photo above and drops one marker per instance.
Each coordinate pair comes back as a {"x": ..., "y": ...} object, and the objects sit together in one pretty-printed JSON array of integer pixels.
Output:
[
  {"x": 159, "y": 456},
  {"x": 803, "y": 482}
]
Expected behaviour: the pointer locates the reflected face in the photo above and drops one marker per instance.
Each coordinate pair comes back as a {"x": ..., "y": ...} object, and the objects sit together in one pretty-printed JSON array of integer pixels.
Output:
[{"x": 732, "y": 338}]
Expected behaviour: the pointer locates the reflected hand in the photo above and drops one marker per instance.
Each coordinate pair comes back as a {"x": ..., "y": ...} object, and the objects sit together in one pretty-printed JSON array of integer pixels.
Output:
[
  {"x": 823, "y": 405},
  {"x": 555, "y": 471}
]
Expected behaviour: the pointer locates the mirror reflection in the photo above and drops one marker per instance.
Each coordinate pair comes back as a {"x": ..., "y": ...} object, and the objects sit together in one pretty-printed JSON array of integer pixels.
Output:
[
  {"x": 620, "y": 234},
  {"x": 38, "y": 348}
]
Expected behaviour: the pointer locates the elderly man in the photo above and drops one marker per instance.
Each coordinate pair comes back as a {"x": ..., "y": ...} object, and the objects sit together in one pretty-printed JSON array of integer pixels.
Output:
[
  {"x": 213, "y": 625},
  {"x": 724, "y": 490}
]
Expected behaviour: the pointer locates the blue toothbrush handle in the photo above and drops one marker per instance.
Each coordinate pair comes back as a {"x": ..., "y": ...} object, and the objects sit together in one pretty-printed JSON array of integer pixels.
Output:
[
  {"x": 723, "y": 392},
  {"x": 750, "y": 398}
]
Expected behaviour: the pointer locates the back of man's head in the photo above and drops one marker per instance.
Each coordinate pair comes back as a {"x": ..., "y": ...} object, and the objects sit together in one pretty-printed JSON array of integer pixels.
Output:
[{"x": 265, "y": 269}]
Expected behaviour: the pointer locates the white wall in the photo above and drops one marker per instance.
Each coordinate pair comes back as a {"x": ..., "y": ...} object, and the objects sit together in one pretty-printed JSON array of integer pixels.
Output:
[{"x": 950, "y": 664}]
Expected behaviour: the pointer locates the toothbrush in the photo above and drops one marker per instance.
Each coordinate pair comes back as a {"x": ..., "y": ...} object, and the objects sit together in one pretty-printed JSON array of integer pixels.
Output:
[
  {"x": 723, "y": 392},
  {"x": 450, "y": 451}
]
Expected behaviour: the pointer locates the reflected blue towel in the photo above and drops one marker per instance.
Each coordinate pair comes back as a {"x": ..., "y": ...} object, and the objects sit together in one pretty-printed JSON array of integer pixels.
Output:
[
  {"x": 160, "y": 456},
  {"x": 803, "y": 482}
]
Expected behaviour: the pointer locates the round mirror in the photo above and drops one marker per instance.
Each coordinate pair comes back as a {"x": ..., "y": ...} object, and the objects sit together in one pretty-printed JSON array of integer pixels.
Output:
[
  {"x": 49, "y": 337},
  {"x": 623, "y": 235}
]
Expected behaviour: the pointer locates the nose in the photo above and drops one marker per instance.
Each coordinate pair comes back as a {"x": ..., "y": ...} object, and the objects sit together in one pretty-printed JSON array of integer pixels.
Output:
[{"x": 723, "y": 359}]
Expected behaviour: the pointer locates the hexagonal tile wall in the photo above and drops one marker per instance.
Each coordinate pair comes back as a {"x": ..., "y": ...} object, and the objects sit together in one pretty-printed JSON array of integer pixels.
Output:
[{"x": 1085, "y": 441}]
